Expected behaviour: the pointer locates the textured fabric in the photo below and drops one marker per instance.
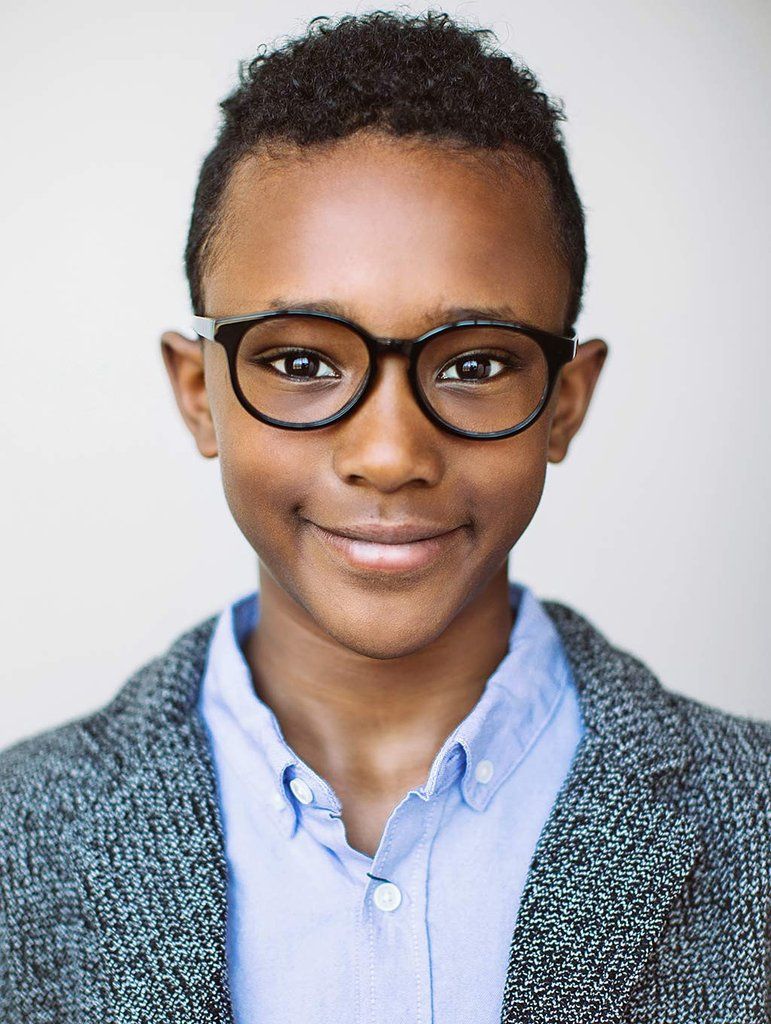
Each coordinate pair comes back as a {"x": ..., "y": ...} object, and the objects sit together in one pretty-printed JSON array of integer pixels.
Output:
[
  {"x": 308, "y": 937},
  {"x": 648, "y": 897}
]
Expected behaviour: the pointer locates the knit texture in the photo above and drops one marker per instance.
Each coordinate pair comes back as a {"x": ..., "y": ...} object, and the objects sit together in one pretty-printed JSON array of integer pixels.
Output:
[{"x": 648, "y": 897}]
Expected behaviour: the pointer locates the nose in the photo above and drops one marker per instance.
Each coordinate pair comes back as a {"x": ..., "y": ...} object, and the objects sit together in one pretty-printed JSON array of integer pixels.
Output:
[{"x": 388, "y": 441}]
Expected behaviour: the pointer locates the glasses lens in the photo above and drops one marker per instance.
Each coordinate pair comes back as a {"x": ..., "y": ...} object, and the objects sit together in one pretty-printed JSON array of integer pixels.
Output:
[
  {"x": 483, "y": 379},
  {"x": 301, "y": 369}
]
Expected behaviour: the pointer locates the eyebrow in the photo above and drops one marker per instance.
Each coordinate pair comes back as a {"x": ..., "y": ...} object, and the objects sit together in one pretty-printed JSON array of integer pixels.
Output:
[{"x": 436, "y": 315}]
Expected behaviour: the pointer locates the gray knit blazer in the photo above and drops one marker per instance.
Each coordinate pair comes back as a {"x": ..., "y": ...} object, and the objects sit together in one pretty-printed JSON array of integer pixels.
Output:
[{"x": 648, "y": 898}]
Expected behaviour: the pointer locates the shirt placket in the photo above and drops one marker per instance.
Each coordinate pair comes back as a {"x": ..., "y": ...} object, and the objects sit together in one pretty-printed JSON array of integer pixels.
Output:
[
  {"x": 391, "y": 975},
  {"x": 394, "y": 961}
]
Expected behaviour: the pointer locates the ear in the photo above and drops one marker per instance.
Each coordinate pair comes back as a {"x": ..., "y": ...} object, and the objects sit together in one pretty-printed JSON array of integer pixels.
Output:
[
  {"x": 185, "y": 366},
  {"x": 574, "y": 392}
]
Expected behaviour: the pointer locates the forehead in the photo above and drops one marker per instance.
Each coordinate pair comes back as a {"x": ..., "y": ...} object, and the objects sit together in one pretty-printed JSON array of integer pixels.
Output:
[{"x": 385, "y": 225}]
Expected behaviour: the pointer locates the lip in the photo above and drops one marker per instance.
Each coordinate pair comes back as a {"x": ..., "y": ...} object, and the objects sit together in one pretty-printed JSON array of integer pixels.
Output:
[
  {"x": 388, "y": 547},
  {"x": 405, "y": 532}
]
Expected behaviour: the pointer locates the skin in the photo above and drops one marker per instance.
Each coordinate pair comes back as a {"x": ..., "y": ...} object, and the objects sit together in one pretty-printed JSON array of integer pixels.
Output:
[{"x": 368, "y": 672}]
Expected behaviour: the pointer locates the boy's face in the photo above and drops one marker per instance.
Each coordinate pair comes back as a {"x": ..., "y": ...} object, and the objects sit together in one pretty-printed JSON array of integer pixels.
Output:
[{"x": 398, "y": 236}]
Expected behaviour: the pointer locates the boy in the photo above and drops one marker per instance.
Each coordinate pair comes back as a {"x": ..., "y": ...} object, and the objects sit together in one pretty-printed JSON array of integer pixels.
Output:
[{"x": 391, "y": 786}]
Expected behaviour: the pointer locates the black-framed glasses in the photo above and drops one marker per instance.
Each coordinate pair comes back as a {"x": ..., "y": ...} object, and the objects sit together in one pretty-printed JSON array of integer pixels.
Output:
[{"x": 301, "y": 370}]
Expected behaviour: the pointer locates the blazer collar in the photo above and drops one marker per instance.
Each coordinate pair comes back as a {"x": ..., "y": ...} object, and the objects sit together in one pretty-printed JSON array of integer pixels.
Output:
[{"x": 609, "y": 864}]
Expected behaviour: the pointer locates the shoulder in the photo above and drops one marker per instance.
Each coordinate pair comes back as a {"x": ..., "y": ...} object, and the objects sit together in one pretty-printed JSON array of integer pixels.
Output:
[
  {"x": 724, "y": 751},
  {"x": 725, "y": 737},
  {"x": 45, "y": 777}
]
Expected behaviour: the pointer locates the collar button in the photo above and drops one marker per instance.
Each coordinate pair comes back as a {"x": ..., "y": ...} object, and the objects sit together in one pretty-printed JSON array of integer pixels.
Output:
[{"x": 302, "y": 791}]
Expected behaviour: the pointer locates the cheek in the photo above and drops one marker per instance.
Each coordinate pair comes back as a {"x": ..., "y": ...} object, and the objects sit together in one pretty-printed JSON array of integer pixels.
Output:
[
  {"x": 267, "y": 475},
  {"x": 261, "y": 471},
  {"x": 511, "y": 488}
]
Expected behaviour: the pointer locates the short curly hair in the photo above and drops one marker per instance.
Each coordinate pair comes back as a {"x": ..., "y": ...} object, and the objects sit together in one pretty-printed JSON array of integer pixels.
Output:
[{"x": 422, "y": 76}]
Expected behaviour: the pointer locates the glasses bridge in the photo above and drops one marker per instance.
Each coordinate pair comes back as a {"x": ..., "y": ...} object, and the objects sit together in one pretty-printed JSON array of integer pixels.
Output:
[{"x": 397, "y": 345}]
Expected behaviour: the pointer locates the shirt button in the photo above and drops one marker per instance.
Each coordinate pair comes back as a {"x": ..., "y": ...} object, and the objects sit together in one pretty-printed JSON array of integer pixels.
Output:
[
  {"x": 484, "y": 771},
  {"x": 302, "y": 791},
  {"x": 387, "y": 896}
]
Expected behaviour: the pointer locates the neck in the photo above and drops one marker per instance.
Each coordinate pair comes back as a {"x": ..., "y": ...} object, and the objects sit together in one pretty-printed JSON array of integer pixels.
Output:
[{"x": 368, "y": 724}]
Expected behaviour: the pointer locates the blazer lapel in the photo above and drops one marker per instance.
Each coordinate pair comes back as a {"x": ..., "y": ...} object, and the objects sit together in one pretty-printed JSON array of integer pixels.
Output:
[
  {"x": 155, "y": 873},
  {"x": 614, "y": 854}
]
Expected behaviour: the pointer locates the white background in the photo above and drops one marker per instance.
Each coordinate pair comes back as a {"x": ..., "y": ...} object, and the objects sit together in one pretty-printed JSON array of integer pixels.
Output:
[{"x": 115, "y": 533}]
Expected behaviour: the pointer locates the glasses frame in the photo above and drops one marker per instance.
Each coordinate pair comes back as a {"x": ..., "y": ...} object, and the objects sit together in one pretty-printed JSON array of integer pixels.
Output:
[{"x": 228, "y": 331}]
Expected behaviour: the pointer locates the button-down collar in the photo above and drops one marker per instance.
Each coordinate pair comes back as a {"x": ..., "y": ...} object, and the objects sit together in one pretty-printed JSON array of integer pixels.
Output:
[
  {"x": 516, "y": 704},
  {"x": 514, "y": 707}
]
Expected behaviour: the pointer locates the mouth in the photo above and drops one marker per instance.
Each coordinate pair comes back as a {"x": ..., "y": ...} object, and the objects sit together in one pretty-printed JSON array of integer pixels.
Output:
[{"x": 389, "y": 548}]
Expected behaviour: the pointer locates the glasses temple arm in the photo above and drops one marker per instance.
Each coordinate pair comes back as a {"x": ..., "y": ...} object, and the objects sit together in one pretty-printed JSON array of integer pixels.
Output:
[{"x": 205, "y": 326}]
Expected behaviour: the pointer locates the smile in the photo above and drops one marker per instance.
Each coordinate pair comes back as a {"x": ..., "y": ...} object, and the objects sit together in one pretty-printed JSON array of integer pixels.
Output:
[{"x": 392, "y": 556}]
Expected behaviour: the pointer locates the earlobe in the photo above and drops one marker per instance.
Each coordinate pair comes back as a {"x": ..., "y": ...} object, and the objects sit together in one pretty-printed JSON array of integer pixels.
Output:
[
  {"x": 184, "y": 362},
  {"x": 575, "y": 388}
]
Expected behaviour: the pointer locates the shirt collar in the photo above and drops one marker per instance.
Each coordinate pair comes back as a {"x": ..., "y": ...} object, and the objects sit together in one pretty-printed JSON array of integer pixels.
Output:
[
  {"x": 514, "y": 708},
  {"x": 248, "y": 732},
  {"x": 516, "y": 705}
]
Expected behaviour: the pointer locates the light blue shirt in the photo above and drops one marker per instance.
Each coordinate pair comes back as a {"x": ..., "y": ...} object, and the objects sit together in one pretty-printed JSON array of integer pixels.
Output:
[{"x": 321, "y": 933}]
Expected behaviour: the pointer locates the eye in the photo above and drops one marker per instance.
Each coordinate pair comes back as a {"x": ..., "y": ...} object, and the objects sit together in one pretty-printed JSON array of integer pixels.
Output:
[
  {"x": 299, "y": 364},
  {"x": 473, "y": 366}
]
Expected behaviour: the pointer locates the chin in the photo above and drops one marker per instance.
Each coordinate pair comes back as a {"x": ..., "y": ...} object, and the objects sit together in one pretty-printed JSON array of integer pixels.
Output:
[{"x": 383, "y": 636}]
